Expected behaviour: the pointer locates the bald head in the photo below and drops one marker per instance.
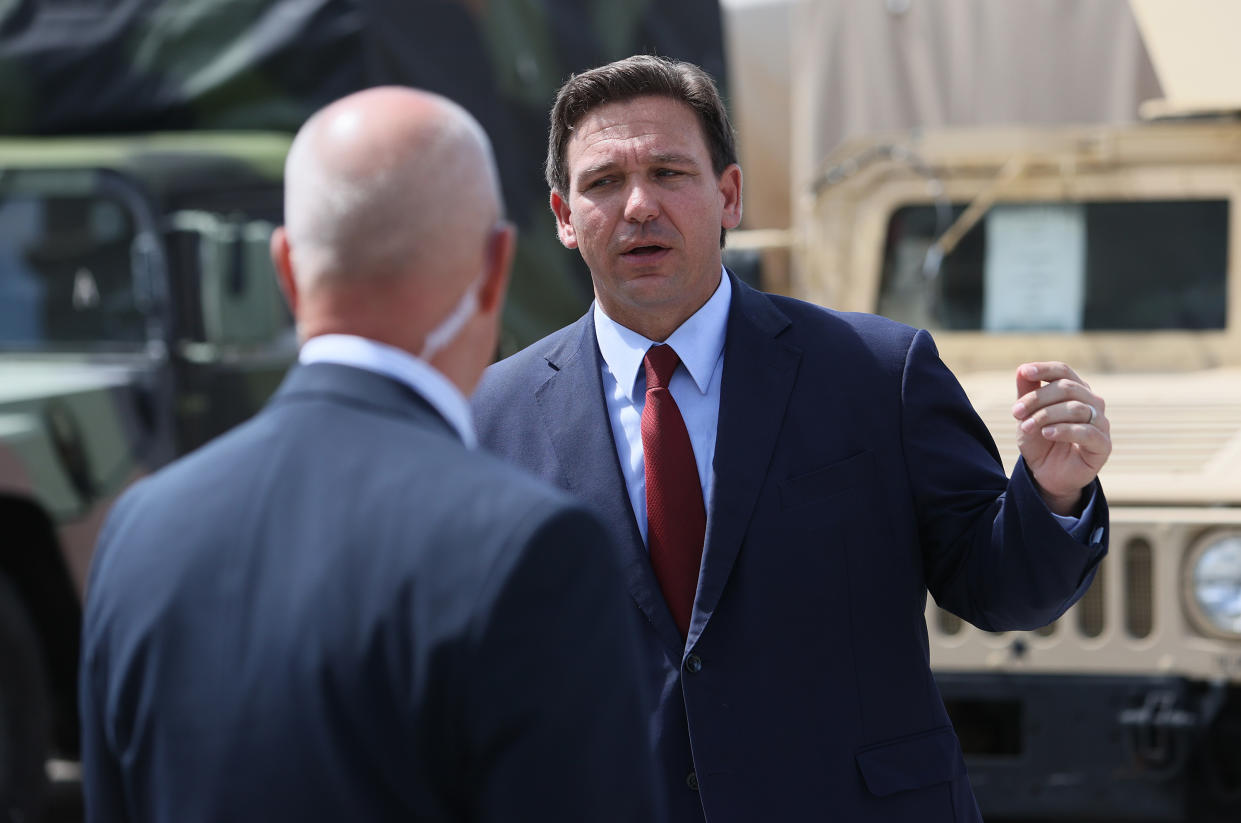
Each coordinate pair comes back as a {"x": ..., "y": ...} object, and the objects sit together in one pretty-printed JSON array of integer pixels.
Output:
[
  {"x": 392, "y": 229},
  {"x": 388, "y": 181}
]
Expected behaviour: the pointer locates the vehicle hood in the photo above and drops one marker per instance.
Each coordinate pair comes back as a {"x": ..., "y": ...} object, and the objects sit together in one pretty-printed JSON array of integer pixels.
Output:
[
  {"x": 26, "y": 380},
  {"x": 1176, "y": 438},
  {"x": 72, "y": 431}
]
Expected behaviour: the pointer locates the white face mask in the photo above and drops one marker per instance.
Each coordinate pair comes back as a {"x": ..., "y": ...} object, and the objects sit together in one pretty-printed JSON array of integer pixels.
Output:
[{"x": 451, "y": 326}]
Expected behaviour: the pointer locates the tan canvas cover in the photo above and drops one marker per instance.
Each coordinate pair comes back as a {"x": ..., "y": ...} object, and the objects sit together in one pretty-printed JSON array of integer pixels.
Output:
[
  {"x": 1193, "y": 44},
  {"x": 757, "y": 36},
  {"x": 861, "y": 66}
]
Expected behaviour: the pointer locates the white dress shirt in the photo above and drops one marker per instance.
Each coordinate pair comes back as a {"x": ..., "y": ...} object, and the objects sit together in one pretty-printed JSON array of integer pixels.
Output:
[
  {"x": 695, "y": 385},
  {"x": 363, "y": 353}
]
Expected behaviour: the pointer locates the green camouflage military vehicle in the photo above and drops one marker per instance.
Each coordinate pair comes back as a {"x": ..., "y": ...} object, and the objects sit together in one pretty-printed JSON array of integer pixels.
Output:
[
  {"x": 139, "y": 316},
  {"x": 137, "y": 313}
]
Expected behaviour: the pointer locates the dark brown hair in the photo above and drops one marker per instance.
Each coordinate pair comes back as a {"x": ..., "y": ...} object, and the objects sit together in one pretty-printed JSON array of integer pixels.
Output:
[{"x": 638, "y": 76}]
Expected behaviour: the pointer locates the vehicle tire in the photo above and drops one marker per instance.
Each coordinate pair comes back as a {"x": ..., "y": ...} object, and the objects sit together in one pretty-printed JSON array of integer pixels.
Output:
[{"x": 25, "y": 722}]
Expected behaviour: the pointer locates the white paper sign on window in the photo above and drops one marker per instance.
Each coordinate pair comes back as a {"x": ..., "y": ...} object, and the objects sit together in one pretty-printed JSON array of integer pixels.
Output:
[{"x": 1034, "y": 275}]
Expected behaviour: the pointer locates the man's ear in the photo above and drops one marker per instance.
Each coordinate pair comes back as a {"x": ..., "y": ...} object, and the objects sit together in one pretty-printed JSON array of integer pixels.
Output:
[
  {"x": 730, "y": 188},
  {"x": 281, "y": 258},
  {"x": 564, "y": 228},
  {"x": 502, "y": 247}
]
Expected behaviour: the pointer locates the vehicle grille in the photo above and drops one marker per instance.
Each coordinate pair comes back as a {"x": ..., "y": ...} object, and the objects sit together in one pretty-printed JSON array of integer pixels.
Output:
[
  {"x": 1130, "y": 620},
  {"x": 1090, "y": 608},
  {"x": 1139, "y": 588}
]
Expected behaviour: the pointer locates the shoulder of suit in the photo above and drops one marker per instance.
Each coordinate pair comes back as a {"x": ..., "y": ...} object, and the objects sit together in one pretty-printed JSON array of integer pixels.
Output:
[
  {"x": 810, "y": 320},
  {"x": 535, "y": 362},
  {"x": 205, "y": 465},
  {"x": 539, "y": 352},
  {"x": 511, "y": 505}
]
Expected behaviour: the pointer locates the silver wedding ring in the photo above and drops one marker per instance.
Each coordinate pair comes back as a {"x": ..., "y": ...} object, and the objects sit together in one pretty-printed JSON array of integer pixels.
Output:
[{"x": 1093, "y": 414}]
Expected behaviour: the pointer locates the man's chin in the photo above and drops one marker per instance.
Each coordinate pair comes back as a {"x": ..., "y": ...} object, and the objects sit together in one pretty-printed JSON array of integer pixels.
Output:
[{"x": 653, "y": 289}]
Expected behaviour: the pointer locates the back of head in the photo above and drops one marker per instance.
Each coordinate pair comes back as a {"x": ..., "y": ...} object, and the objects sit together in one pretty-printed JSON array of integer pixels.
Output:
[
  {"x": 393, "y": 229},
  {"x": 388, "y": 181},
  {"x": 638, "y": 76}
]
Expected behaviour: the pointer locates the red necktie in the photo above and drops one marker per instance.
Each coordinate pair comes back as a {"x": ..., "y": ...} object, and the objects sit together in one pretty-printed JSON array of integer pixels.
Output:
[{"x": 676, "y": 518}]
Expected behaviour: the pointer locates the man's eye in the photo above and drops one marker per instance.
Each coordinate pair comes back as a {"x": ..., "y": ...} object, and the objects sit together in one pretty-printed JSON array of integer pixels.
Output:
[
  {"x": 668, "y": 173},
  {"x": 598, "y": 182}
]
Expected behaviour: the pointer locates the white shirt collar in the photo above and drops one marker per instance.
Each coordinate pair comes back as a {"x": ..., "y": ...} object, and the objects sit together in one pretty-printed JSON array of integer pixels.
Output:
[
  {"x": 698, "y": 341},
  {"x": 363, "y": 353}
]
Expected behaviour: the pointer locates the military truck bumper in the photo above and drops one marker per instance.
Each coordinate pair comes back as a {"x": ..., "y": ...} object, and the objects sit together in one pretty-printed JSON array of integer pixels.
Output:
[{"x": 1099, "y": 748}]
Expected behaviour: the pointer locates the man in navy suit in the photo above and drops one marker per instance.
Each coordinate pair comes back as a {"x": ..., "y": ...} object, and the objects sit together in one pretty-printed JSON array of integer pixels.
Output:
[
  {"x": 785, "y": 482},
  {"x": 340, "y": 610}
]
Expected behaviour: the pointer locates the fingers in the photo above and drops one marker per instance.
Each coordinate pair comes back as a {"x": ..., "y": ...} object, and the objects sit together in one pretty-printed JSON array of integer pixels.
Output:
[
  {"x": 1031, "y": 375},
  {"x": 1063, "y": 431},
  {"x": 1091, "y": 438},
  {"x": 1068, "y": 412},
  {"x": 1052, "y": 393}
]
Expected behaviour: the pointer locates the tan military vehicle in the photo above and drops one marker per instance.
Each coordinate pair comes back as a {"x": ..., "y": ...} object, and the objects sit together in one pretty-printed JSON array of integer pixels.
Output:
[
  {"x": 1115, "y": 247},
  {"x": 139, "y": 316}
]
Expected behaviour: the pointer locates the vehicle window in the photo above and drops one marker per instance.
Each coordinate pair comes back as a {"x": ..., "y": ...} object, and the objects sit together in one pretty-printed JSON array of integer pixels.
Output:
[
  {"x": 66, "y": 272},
  {"x": 1062, "y": 267}
]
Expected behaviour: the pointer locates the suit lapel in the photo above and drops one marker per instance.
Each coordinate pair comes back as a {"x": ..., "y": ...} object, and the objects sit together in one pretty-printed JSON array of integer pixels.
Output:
[
  {"x": 759, "y": 372},
  {"x": 574, "y": 412}
]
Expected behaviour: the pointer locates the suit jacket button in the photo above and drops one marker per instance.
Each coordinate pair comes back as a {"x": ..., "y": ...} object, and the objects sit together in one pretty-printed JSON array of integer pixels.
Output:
[
  {"x": 691, "y": 780},
  {"x": 693, "y": 664}
]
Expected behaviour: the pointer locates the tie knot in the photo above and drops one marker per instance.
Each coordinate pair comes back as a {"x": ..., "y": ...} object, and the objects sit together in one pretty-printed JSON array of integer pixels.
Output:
[{"x": 660, "y": 361}]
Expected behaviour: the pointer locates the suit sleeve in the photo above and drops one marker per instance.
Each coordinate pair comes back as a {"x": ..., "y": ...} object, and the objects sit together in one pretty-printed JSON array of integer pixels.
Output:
[
  {"x": 993, "y": 553},
  {"x": 558, "y": 706},
  {"x": 102, "y": 783},
  {"x": 102, "y": 788}
]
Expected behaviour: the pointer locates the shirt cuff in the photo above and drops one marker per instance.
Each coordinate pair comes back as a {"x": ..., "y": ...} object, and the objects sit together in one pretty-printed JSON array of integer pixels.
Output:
[{"x": 1082, "y": 528}]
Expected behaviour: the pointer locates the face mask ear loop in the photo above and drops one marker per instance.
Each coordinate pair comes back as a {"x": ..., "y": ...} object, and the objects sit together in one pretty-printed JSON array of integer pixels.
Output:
[{"x": 443, "y": 334}]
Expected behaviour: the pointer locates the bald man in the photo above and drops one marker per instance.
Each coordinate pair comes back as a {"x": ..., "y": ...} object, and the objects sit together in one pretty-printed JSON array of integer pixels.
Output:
[{"x": 340, "y": 610}]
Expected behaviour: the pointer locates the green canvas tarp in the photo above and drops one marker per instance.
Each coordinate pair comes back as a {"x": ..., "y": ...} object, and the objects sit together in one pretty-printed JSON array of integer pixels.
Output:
[{"x": 133, "y": 66}]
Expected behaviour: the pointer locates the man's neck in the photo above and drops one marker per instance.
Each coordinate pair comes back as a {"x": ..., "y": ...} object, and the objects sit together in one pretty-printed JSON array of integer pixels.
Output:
[{"x": 653, "y": 324}]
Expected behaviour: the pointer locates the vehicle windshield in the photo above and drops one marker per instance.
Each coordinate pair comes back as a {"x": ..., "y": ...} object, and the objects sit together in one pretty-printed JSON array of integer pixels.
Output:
[
  {"x": 66, "y": 272},
  {"x": 1105, "y": 266}
]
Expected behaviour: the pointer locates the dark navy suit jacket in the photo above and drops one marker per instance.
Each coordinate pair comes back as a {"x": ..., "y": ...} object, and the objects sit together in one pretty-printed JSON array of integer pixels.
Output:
[
  {"x": 851, "y": 476},
  {"x": 337, "y": 612}
]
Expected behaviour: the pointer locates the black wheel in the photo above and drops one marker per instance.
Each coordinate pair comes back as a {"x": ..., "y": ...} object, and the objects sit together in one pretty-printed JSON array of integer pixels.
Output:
[{"x": 25, "y": 723}]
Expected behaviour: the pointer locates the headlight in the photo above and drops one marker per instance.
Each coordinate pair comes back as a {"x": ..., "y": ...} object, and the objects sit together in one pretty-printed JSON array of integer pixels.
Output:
[{"x": 1214, "y": 584}]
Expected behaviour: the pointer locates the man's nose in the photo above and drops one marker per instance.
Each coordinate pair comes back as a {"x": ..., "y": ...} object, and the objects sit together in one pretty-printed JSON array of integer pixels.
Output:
[{"x": 640, "y": 204}]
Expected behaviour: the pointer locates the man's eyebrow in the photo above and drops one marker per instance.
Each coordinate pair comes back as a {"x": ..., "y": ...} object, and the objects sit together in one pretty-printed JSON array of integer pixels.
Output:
[
  {"x": 674, "y": 159},
  {"x": 664, "y": 158},
  {"x": 597, "y": 168}
]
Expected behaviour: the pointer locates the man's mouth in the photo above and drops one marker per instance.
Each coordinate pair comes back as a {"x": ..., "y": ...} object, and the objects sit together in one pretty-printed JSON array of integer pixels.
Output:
[{"x": 644, "y": 251}]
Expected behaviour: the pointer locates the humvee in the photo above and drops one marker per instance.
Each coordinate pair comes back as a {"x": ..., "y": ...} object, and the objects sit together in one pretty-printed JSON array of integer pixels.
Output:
[
  {"x": 139, "y": 316},
  {"x": 1116, "y": 249}
]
